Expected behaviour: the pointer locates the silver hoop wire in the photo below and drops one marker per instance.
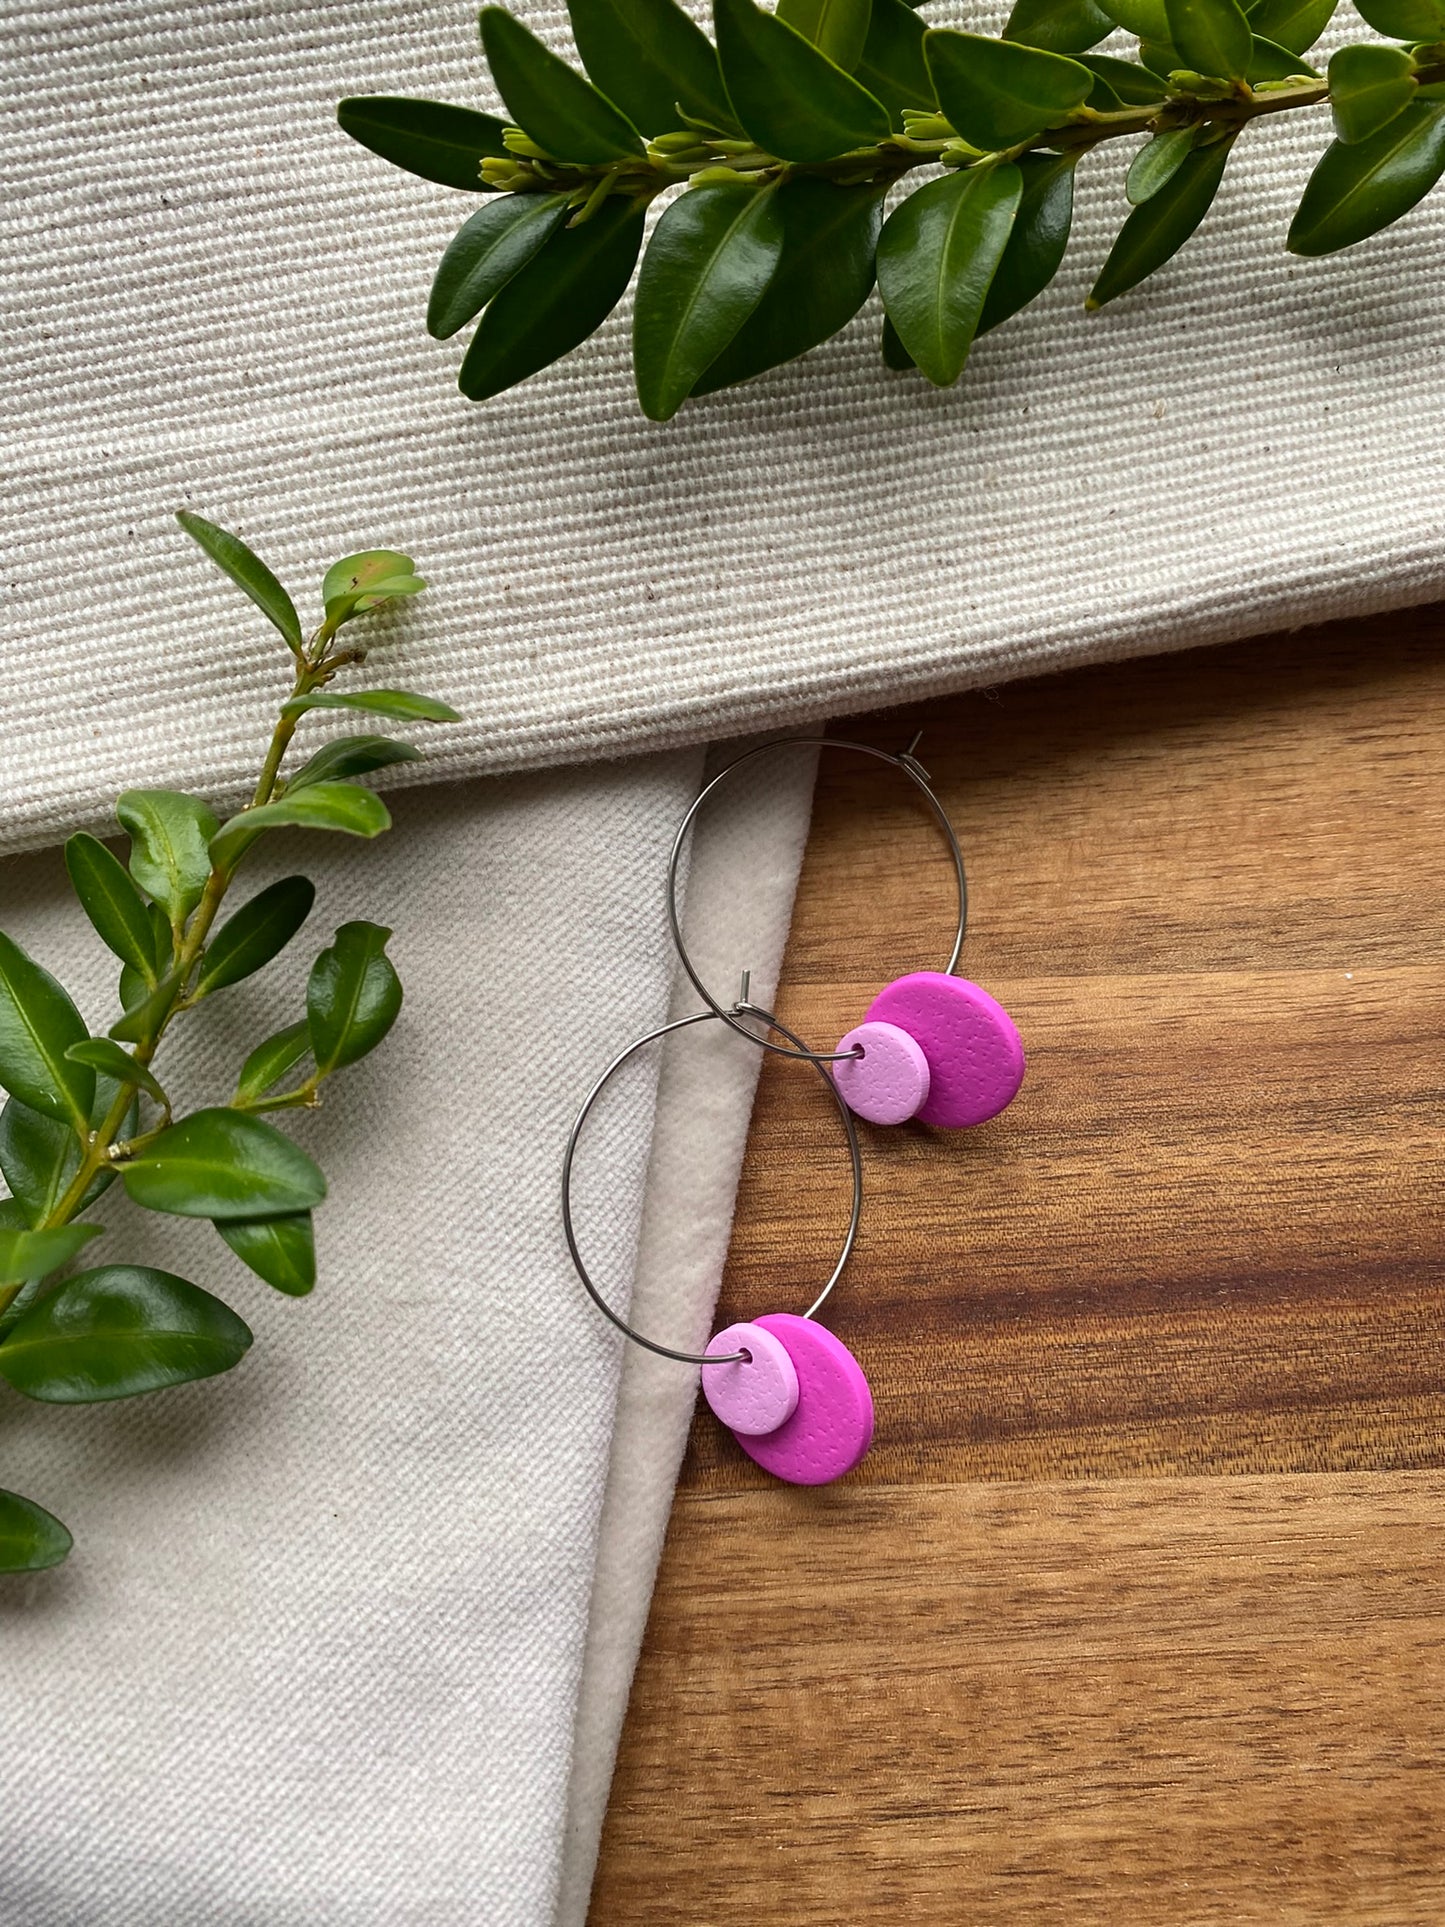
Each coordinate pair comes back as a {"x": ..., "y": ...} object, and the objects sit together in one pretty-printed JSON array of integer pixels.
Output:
[
  {"x": 854, "y": 1157},
  {"x": 921, "y": 780}
]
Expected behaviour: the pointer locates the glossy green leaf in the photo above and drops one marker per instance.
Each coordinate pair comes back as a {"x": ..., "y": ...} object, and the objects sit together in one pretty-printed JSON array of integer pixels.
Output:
[
  {"x": 247, "y": 571},
  {"x": 1270, "y": 61},
  {"x": 822, "y": 279},
  {"x": 996, "y": 94},
  {"x": 1158, "y": 229},
  {"x": 39, "y": 1157},
  {"x": 1213, "y": 36},
  {"x": 353, "y": 996},
  {"x": 1358, "y": 189},
  {"x": 837, "y": 28},
  {"x": 651, "y": 58},
  {"x": 351, "y": 756},
  {"x": 359, "y": 582},
  {"x": 117, "y": 1332},
  {"x": 893, "y": 66},
  {"x": 1292, "y": 24},
  {"x": 1157, "y": 161},
  {"x": 484, "y": 254},
  {"x": 107, "y": 1057},
  {"x": 895, "y": 355},
  {"x": 565, "y": 292},
  {"x": 31, "y": 1539},
  {"x": 792, "y": 100},
  {"x": 1369, "y": 86},
  {"x": 137, "y": 985},
  {"x": 1160, "y": 57},
  {"x": 1145, "y": 19},
  {"x": 937, "y": 254},
  {"x": 1037, "y": 240},
  {"x": 259, "y": 931},
  {"x": 33, "y": 1254},
  {"x": 320, "y": 806},
  {"x": 427, "y": 137},
  {"x": 401, "y": 703},
  {"x": 109, "y": 897},
  {"x": 169, "y": 835},
  {"x": 1135, "y": 86},
  {"x": 280, "y": 1250},
  {"x": 709, "y": 260},
  {"x": 223, "y": 1164},
  {"x": 38, "y": 1024},
  {"x": 13, "y": 1215},
  {"x": 271, "y": 1060},
  {"x": 563, "y": 112},
  {"x": 142, "y": 1020},
  {"x": 1058, "y": 26},
  {"x": 1405, "y": 19}
]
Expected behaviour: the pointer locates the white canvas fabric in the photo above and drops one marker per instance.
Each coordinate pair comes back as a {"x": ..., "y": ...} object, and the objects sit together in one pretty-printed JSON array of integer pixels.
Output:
[{"x": 214, "y": 298}]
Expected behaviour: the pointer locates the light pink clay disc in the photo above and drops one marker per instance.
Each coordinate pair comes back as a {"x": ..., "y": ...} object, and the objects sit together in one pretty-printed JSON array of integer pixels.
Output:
[
  {"x": 889, "y": 1082},
  {"x": 754, "y": 1396},
  {"x": 975, "y": 1056},
  {"x": 832, "y": 1426}
]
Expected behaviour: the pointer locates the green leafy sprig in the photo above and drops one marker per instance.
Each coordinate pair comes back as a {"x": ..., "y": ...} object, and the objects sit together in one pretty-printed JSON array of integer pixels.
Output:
[
  {"x": 84, "y": 1110},
  {"x": 788, "y": 132}
]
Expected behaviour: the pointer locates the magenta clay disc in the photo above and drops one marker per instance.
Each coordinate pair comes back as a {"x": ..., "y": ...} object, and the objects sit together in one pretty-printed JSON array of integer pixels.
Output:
[
  {"x": 889, "y": 1083},
  {"x": 832, "y": 1427},
  {"x": 975, "y": 1056},
  {"x": 752, "y": 1395}
]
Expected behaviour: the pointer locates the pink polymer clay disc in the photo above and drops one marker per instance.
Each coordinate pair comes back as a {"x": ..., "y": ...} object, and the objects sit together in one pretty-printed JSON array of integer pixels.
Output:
[
  {"x": 832, "y": 1424},
  {"x": 975, "y": 1056}
]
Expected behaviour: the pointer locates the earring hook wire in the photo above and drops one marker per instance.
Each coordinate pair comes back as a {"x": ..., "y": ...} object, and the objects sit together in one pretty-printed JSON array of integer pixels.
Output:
[
  {"x": 574, "y": 1138},
  {"x": 733, "y": 1016}
]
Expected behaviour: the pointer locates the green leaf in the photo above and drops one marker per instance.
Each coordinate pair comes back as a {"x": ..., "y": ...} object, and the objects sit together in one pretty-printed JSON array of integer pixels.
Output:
[
  {"x": 1058, "y": 26},
  {"x": 1213, "y": 36},
  {"x": 38, "y": 1024},
  {"x": 649, "y": 57},
  {"x": 1405, "y": 19},
  {"x": 169, "y": 835},
  {"x": 936, "y": 257},
  {"x": 1269, "y": 61},
  {"x": 1292, "y": 24},
  {"x": 894, "y": 67},
  {"x": 33, "y": 1254},
  {"x": 39, "y": 1157},
  {"x": 280, "y": 1250},
  {"x": 106, "y": 1057},
  {"x": 270, "y": 1061},
  {"x": 792, "y": 100},
  {"x": 1145, "y": 19},
  {"x": 136, "y": 985},
  {"x": 1358, "y": 189},
  {"x": 31, "y": 1539},
  {"x": 563, "y": 113},
  {"x": 895, "y": 355},
  {"x": 709, "y": 260},
  {"x": 426, "y": 137},
  {"x": 320, "y": 806},
  {"x": 259, "y": 931},
  {"x": 1160, "y": 57},
  {"x": 13, "y": 1215},
  {"x": 400, "y": 703},
  {"x": 1163, "y": 224},
  {"x": 351, "y": 756},
  {"x": 996, "y": 94},
  {"x": 353, "y": 996},
  {"x": 1369, "y": 86},
  {"x": 1038, "y": 239},
  {"x": 111, "y": 900},
  {"x": 117, "y": 1332},
  {"x": 1134, "y": 85},
  {"x": 359, "y": 582},
  {"x": 822, "y": 279},
  {"x": 837, "y": 28},
  {"x": 223, "y": 1164},
  {"x": 247, "y": 571},
  {"x": 142, "y": 1019},
  {"x": 565, "y": 292},
  {"x": 484, "y": 254},
  {"x": 1157, "y": 161}
]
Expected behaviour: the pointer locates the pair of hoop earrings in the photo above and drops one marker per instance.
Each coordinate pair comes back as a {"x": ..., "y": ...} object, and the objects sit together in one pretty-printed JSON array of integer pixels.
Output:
[{"x": 930, "y": 1046}]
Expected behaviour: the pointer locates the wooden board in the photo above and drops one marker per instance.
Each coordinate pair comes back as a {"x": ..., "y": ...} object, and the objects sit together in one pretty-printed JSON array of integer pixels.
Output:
[{"x": 1198, "y": 1269}]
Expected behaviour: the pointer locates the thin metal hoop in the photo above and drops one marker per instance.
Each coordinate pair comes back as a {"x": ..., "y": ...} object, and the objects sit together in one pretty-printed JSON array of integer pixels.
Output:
[
  {"x": 916, "y": 774},
  {"x": 854, "y": 1157}
]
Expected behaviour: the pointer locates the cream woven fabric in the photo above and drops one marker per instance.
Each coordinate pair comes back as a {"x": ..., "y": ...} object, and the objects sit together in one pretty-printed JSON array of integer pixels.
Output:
[{"x": 215, "y": 298}]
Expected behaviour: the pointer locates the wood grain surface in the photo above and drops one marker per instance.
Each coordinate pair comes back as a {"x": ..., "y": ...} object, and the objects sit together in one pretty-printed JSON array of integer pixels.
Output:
[{"x": 1136, "y": 1610}]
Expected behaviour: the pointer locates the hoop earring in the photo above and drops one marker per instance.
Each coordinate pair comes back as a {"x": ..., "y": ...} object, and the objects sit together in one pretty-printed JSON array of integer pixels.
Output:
[
  {"x": 792, "y": 1395},
  {"x": 931, "y": 1045}
]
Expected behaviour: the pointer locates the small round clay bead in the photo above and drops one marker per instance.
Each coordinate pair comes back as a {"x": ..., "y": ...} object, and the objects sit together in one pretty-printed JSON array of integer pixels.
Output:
[
  {"x": 754, "y": 1397},
  {"x": 889, "y": 1082}
]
